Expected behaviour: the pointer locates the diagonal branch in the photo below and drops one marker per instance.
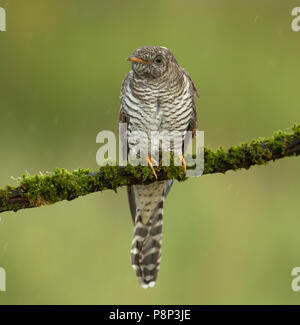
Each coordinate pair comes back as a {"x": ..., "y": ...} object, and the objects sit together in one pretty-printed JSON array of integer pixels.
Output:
[{"x": 38, "y": 190}]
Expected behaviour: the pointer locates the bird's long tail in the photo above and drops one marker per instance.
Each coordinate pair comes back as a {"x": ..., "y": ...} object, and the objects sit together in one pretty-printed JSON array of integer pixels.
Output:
[
  {"x": 146, "y": 206},
  {"x": 146, "y": 245}
]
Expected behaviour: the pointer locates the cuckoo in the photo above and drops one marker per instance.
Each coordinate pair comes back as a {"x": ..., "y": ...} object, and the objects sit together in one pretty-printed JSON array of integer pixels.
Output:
[{"x": 156, "y": 95}]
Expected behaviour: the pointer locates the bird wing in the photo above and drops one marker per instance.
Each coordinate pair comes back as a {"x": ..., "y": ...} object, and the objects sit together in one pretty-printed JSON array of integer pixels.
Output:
[
  {"x": 193, "y": 125},
  {"x": 124, "y": 118}
]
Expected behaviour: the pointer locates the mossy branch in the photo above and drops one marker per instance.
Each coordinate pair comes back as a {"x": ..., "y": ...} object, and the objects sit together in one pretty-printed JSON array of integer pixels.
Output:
[{"x": 38, "y": 190}]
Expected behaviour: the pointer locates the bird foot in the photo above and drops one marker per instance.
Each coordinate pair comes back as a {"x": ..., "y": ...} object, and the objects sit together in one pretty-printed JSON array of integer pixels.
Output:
[{"x": 181, "y": 158}]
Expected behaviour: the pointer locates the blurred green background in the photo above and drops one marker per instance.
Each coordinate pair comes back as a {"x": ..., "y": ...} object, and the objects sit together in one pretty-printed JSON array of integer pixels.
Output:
[{"x": 228, "y": 239}]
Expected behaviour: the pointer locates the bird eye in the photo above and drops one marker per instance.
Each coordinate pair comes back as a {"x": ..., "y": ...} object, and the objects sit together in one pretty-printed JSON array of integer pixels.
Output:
[{"x": 158, "y": 59}]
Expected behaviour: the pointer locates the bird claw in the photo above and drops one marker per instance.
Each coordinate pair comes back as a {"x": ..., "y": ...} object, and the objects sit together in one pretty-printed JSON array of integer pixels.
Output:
[{"x": 150, "y": 160}]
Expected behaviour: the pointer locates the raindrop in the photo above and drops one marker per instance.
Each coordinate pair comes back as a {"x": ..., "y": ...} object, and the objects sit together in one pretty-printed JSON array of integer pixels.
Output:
[{"x": 5, "y": 247}]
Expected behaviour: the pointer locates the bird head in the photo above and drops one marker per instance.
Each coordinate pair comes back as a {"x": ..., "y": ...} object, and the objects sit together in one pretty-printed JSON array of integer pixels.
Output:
[{"x": 152, "y": 61}]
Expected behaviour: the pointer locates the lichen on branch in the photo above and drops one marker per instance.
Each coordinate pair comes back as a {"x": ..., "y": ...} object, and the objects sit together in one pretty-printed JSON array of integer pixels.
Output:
[{"x": 49, "y": 188}]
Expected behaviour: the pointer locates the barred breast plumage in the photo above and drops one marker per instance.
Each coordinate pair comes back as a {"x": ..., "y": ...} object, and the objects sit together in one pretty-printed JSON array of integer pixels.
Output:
[{"x": 157, "y": 95}]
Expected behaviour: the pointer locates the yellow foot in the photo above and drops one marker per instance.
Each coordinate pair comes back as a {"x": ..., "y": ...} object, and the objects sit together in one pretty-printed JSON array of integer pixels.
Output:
[
  {"x": 182, "y": 162},
  {"x": 150, "y": 160}
]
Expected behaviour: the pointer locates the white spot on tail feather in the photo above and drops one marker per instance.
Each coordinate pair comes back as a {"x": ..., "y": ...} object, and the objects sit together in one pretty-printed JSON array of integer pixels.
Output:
[{"x": 152, "y": 284}]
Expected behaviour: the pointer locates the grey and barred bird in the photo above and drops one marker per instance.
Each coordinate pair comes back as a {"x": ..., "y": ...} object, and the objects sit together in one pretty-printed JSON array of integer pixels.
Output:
[{"x": 156, "y": 95}]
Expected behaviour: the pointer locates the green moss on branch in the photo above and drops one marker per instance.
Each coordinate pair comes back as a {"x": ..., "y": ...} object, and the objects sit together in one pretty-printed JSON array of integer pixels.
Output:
[{"x": 38, "y": 190}]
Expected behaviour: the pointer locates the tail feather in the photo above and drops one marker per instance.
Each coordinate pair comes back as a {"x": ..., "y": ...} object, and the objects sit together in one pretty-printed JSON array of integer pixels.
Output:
[{"x": 146, "y": 247}]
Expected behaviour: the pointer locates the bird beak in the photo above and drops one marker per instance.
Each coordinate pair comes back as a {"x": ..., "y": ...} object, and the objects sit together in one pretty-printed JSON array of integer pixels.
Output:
[{"x": 135, "y": 59}]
